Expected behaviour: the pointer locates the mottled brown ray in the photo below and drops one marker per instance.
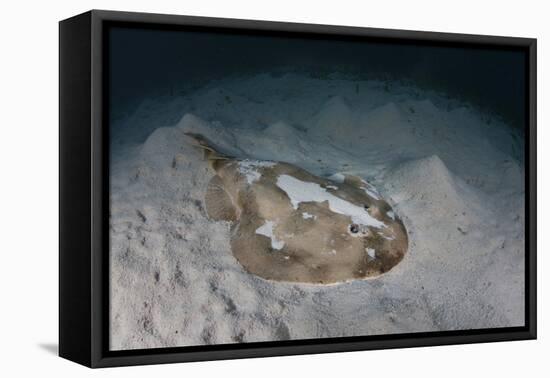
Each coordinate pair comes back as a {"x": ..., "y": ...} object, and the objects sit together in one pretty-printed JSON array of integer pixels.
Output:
[{"x": 280, "y": 234}]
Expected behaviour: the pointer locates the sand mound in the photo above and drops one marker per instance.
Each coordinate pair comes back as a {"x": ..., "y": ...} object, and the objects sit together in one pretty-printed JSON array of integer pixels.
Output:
[
  {"x": 335, "y": 119},
  {"x": 430, "y": 180},
  {"x": 281, "y": 130},
  {"x": 452, "y": 230},
  {"x": 164, "y": 139},
  {"x": 381, "y": 119},
  {"x": 426, "y": 186}
]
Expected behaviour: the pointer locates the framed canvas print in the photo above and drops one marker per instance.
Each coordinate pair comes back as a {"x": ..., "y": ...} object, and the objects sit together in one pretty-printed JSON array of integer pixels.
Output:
[{"x": 233, "y": 188}]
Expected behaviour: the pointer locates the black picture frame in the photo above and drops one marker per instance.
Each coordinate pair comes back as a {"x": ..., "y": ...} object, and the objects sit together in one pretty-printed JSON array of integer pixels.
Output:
[{"x": 83, "y": 181}]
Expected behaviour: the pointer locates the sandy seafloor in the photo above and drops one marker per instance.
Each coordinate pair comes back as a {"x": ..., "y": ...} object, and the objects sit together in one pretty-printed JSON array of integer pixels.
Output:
[{"x": 454, "y": 174}]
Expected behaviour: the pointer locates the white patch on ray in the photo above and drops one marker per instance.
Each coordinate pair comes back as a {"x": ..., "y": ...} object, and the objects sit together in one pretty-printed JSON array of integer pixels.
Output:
[
  {"x": 250, "y": 169},
  {"x": 267, "y": 230},
  {"x": 307, "y": 215},
  {"x": 301, "y": 191},
  {"x": 370, "y": 190},
  {"x": 371, "y": 252}
]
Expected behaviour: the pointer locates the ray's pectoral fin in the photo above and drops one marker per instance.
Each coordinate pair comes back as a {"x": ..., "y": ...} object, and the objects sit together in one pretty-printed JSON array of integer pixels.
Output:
[{"x": 219, "y": 205}]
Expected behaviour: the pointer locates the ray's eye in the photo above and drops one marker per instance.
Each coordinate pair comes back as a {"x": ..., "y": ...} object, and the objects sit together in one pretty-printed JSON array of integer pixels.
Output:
[
  {"x": 366, "y": 207},
  {"x": 354, "y": 228}
]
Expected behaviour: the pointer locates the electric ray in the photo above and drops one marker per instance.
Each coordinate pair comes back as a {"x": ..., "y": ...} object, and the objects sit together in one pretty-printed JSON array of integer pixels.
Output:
[{"x": 290, "y": 225}]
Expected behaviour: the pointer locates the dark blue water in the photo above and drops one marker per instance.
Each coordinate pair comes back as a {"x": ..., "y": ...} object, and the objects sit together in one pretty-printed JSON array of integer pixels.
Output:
[{"x": 146, "y": 62}]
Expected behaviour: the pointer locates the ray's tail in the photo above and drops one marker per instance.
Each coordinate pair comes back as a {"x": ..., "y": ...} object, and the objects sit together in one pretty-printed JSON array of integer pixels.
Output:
[{"x": 211, "y": 154}]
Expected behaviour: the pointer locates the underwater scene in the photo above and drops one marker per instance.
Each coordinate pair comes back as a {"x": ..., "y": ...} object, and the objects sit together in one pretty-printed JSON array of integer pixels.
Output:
[{"x": 268, "y": 187}]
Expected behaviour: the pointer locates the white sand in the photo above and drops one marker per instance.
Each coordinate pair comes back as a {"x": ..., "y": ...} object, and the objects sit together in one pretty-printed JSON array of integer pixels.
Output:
[{"x": 452, "y": 173}]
